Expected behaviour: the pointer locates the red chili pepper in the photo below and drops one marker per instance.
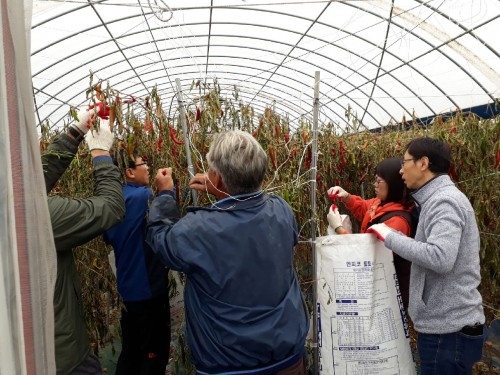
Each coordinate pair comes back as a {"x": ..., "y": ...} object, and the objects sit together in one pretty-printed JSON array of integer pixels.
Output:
[
  {"x": 148, "y": 125},
  {"x": 287, "y": 138},
  {"x": 308, "y": 158},
  {"x": 333, "y": 197},
  {"x": 453, "y": 129},
  {"x": 453, "y": 173},
  {"x": 340, "y": 168},
  {"x": 131, "y": 100},
  {"x": 271, "y": 154},
  {"x": 198, "y": 114},
  {"x": 160, "y": 142},
  {"x": 497, "y": 160},
  {"x": 172, "y": 135},
  {"x": 255, "y": 133},
  {"x": 176, "y": 157},
  {"x": 103, "y": 110},
  {"x": 342, "y": 155},
  {"x": 278, "y": 131}
]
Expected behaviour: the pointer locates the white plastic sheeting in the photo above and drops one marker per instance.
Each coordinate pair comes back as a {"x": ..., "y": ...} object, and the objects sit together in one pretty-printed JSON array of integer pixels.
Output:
[
  {"x": 27, "y": 261},
  {"x": 379, "y": 59}
]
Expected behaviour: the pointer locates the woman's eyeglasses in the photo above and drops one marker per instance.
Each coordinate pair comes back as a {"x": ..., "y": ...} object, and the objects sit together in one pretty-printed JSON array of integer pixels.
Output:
[{"x": 377, "y": 182}]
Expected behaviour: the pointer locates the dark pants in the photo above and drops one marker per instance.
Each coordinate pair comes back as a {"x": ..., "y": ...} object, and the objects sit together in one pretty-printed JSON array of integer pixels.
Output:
[
  {"x": 145, "y": 337},
  {"x": 298, "y": 368},
  {"x": 449, "y": 354},
  {"x": 89, "y": 366}
]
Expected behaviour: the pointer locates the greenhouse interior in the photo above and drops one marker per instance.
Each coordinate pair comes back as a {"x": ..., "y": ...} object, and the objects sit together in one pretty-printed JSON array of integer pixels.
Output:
[{"x": 327, "y": 88}]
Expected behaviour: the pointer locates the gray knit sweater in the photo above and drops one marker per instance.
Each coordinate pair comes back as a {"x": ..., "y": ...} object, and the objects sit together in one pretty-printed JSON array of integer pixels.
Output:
[{"x": 445, "y": 260}]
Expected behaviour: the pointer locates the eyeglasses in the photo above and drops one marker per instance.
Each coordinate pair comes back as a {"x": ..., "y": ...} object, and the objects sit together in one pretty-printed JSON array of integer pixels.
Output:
[
  {"x": 138, "y": 165},
  {"x": 377, "y": 182},
  {"x": 403, "y": 161}
]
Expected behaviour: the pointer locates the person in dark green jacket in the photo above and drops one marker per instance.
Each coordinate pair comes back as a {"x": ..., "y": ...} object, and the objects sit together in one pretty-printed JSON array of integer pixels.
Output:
[{"x": 75, "y": 222}]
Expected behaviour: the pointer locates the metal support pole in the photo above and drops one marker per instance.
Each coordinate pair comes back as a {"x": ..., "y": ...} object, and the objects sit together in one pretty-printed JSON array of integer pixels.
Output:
[
  {"x": 182, "y": 111},
  {"x": 314, "y": 164}
]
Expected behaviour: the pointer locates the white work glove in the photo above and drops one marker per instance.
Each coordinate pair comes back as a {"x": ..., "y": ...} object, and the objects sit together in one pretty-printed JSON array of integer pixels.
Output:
[
  {"x": 86, "y": 116},
  {"x": 102, "y": 139},
  {"x": 380, "y": 230},
  {"x": 334, "y": 219},
  {"x": 338, "y": 192}
]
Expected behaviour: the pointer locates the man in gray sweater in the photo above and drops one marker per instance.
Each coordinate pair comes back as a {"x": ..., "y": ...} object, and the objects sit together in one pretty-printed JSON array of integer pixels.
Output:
[{"x": 445, "y": 305}]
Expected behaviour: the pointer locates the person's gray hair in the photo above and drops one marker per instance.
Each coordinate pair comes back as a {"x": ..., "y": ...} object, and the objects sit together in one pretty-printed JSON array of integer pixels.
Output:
[{"x": 240, "y": 160}]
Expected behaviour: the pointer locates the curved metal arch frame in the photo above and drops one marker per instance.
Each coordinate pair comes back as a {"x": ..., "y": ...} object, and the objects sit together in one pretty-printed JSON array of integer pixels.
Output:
[
  {"x": 230, "y": 57},
  {"x": 271, "y": 95},
  {"x": 264, "y": 50},
  {"x": 467, "y": 31},
  {"x": 359, "y": 56},
  {"x": 295, "y": 16}
]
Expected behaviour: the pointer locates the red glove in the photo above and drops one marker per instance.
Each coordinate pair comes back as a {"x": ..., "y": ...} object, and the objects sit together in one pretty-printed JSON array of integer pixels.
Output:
[{"x": 380, "y": 230}]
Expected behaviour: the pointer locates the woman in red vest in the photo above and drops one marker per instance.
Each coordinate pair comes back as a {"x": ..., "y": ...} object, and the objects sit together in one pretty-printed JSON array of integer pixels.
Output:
[{"x": 390, "y": 206}]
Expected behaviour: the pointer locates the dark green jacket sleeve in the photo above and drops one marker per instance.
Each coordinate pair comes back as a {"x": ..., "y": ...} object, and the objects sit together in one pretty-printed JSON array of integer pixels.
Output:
[
  {"x": 77, "y": 221},
  {"x": 57, "y": 159}
]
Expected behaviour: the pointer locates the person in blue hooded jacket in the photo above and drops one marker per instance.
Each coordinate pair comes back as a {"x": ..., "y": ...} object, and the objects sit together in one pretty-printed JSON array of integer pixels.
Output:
[{"x": 245, "y": 313}]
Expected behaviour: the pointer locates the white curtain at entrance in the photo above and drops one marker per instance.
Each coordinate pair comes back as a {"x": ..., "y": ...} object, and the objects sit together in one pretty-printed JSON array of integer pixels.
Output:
[{"x": 27, "y": 253}]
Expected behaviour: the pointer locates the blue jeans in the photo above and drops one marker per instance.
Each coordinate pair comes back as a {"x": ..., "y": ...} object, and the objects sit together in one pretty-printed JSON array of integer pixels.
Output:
[{"x": 449, "y": 354}]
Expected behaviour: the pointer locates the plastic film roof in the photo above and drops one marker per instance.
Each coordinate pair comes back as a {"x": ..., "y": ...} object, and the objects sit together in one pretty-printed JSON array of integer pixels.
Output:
[{"x": 379, "y": 60}]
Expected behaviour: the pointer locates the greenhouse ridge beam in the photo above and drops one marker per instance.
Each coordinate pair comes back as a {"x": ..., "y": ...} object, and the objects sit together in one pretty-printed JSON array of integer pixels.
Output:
[
  {"x": 471, "y": 32},
  {"x": 426, "y": 53}
]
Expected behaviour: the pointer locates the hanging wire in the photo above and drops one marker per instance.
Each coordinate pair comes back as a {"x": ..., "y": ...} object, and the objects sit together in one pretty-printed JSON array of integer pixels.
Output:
[{"x": 159, "y": 11}]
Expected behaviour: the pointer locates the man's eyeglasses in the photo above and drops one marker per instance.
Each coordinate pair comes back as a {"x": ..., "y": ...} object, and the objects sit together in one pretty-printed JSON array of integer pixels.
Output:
[
  {"x": 138, "y": 165},
  {"x": 403, "y": 161}
]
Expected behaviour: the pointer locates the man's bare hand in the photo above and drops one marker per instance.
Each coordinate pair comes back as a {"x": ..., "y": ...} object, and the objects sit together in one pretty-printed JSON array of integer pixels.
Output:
[
  {"x": 202, "y": 183},
  {"x": 164, "y": 180}
]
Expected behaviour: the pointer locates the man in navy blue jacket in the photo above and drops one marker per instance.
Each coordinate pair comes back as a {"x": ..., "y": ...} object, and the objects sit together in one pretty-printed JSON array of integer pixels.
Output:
[
  {"x": 142, "y": 279},
  {"x": 244, "y": 309}
]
